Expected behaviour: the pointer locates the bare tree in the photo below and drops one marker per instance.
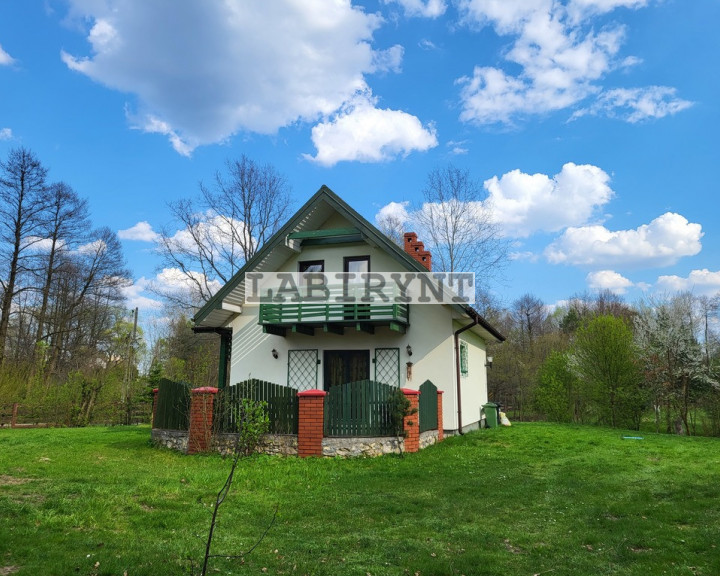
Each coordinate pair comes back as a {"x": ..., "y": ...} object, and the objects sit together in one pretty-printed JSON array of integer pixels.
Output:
[
  {"x": 530, "y": 315},
  {"x": 22, "y": 215},
  {"x": 392, "y": 221},
  {"x": 224, "y": 227},
  {"x": 457, "y": 225},
  {"x": 66, "y": 225},
  {"x": 85, "y": 299}
]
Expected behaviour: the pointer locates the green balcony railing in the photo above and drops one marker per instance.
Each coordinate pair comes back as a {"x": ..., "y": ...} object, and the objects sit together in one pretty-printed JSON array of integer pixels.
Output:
[{"x": 311, "y": 312}]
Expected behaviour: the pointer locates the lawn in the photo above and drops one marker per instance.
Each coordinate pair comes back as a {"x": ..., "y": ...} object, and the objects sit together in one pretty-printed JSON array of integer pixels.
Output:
[{"x": 527, "y": 500}]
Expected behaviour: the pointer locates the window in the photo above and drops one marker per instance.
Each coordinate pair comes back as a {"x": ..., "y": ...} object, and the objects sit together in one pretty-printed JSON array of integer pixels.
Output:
[
  {"x": 387, "y": 365},
  {"x": 308, "y": 267},
  {"x": 311, "y": 266},
  {"x": 356, "y": 264},
  {"x": 302, "y": 369},
  {"x": 463, "y": 358},
  {"x": 353, "y": 287}
]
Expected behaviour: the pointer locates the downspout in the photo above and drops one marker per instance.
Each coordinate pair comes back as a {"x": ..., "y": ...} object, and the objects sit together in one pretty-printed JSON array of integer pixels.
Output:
[{"x": 457, "y": 370}]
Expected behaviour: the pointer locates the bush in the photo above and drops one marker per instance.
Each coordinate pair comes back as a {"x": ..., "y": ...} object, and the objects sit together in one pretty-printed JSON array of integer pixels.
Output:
[{"x": 251, "y": 422}]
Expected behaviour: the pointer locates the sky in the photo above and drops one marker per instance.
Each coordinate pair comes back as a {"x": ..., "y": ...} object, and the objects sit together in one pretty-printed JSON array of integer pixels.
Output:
[{"x": 590, "y": 126}]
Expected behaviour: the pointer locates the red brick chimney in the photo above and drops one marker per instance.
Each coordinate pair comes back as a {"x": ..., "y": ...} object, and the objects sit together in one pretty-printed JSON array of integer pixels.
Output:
[{"x": 416, "y": 249}]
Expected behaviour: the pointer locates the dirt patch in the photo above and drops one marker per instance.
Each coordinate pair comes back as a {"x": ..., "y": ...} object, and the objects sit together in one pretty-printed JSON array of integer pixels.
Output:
[
  {"x": 11, "y": 481},
  {"x": 7, "y": 570}
]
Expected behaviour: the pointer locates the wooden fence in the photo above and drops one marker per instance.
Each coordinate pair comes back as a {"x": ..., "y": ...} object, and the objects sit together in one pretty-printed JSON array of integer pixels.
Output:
[
  {"x": 173, "y": 406},
  {"x": 282, "y": 405},
  {"x": 359, "y": 409}
]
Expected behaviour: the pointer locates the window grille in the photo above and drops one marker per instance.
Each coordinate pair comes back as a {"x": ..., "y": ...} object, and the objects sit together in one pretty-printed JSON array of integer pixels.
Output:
[
  {"x": 387, "y": 365},
  {"x": 302, "y": 369}
]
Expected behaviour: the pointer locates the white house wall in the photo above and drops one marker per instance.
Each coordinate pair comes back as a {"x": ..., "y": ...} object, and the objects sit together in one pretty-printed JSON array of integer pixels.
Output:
[
  {"x": 474, "y": 384},
  {"x": 430, "y": 335}
]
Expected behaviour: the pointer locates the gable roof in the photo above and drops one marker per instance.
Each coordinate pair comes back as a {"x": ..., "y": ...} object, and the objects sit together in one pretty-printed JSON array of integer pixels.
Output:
[{"x": 287, "y": 241}]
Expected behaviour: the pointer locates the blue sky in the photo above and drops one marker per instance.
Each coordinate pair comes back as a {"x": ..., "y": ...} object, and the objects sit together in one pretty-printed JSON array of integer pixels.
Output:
[{"x": 590, "y": 124}]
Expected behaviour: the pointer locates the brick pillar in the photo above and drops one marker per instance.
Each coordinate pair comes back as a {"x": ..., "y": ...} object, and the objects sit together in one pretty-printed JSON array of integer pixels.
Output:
[
  {"x": 311, "y": 422},
  {"x": 441, "y": 434},
  {"x": 411, "y": 424},
  {"x": 201, "y": 419},
  {"x": 154, "y": 409}
]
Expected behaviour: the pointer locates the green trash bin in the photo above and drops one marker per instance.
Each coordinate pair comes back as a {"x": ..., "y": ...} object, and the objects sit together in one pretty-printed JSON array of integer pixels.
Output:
[{"x": 491, "y": 414}]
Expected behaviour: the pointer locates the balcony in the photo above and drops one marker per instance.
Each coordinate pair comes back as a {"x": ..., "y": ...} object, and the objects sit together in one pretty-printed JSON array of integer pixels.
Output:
[{"x": 333, "y": 317}]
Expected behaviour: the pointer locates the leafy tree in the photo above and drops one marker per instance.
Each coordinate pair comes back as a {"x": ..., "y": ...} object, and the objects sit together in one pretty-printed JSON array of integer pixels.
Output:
[
  {"x": 674, "y": 362},
  {"x": 603, "y": 356},
  {"x": 558, "y": 394}
]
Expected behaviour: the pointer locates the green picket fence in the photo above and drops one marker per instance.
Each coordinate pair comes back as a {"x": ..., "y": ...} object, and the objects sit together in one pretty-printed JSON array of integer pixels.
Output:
[
  {"x": 282, "y": 405},
  {"x": 359, "y": 409},
  {"x": 428, "y": 407},
  {"x": 173, "y": 406}
]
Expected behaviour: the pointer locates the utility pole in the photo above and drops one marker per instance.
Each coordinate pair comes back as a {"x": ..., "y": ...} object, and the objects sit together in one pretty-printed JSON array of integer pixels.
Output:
[{"x": 126, "y": 388}]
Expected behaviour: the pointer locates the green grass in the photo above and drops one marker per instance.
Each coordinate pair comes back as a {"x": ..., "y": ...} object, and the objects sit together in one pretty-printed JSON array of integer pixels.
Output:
[{"x": 531, "y": 499}]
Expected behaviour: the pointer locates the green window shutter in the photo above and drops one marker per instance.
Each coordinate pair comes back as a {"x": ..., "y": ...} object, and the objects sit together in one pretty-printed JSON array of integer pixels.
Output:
[{"x": 463, "y": 358}]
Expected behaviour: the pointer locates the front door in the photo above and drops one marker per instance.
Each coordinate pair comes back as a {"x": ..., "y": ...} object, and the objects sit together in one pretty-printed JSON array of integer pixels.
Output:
[{"x": 342, "y": 366}]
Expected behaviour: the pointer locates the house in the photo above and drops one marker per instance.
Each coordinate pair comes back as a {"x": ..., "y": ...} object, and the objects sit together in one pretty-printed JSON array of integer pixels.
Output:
[{"x": 312, "y": 346}]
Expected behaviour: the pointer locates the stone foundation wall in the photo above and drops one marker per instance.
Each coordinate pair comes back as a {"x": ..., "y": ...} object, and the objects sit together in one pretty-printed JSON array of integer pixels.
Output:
[
  {"x": 173, "y": 439},
  {"x": 287, "y": 444},
  {"x": 354, "y": 447},
  {"x": 428, "y": 438},
  {"x": 280, "y": 444}
]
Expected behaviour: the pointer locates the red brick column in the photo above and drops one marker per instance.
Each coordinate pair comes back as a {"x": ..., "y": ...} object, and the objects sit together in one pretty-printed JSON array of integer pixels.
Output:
[
  {"x": 201, "y": 419},
  {"x": 154, "y": 409},
  {"x": 441, "y": 434},
  {"x": 311, "y": 422},
  {"x": 411, "y": 424}
]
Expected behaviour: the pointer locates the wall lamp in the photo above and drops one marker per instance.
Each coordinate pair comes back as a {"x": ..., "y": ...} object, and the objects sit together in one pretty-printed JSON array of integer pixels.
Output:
[
  {"x": 275, "y": 353},
  {"x": 488, "y": 362},
  {"x": 408, "y": 349}
]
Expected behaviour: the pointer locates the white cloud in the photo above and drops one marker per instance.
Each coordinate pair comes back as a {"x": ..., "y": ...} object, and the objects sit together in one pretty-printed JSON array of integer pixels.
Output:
[
  {"x": 5, "y": 134},
  {"x": 563, "y": 54},
  {"x": 426, "y": 9},
  {"x": 582, "y": 8},
  {"x": 94, "y": 247},
  {"x": 526, "y": 256},
  {"x": 214, "y": 69},
  {"x": 394, "y": 211},
  {"x": 527, "y": 203},
  {"x": 364, "y": 133},
  {"x": 661, "y": 243},
  {"x": 153, "y": 125},
  {"x": 389, "y": 60},
  {"x": 608, "y": 280},
  {"x": 5, "y": 58},
  {"x": 699, "y": 282},
  {"x": 637, "y": 104},
  {"x": 142, "y": 231},
  {"x": 457, "y": 148},
  {"x": 175, "y": 280},
  {"x": 134, "y": 294},
  {"x": 220, "y": 232}
]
